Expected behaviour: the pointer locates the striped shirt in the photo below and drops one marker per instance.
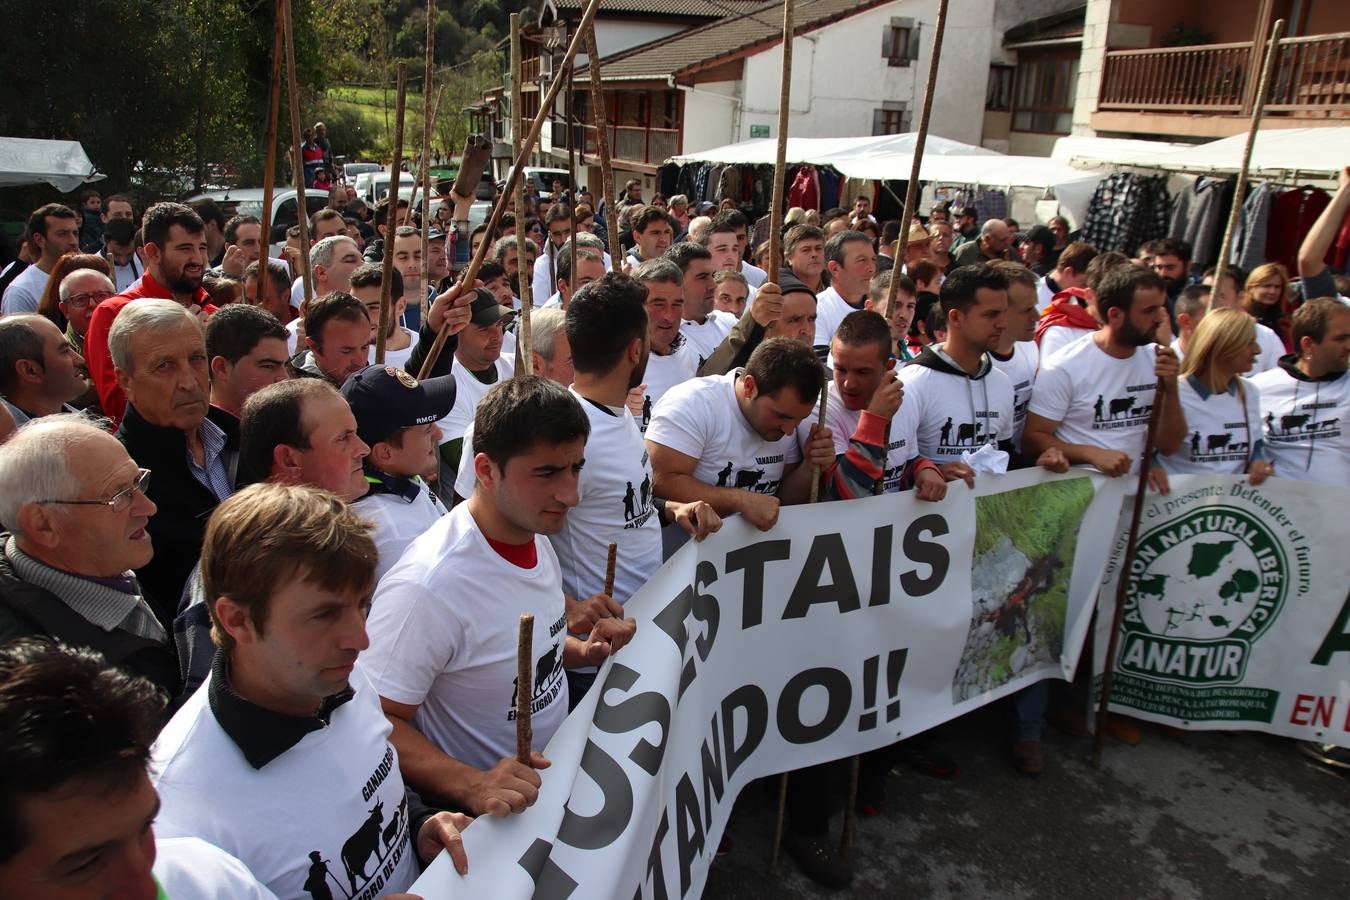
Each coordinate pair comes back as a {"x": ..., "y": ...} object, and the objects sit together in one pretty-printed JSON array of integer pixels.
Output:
[
  {"x": 96, "y": 600},
  {"x": 215, "y": 475}
]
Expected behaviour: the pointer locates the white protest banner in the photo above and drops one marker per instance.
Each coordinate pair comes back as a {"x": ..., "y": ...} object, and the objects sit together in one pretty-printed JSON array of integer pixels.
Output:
[
  {"x": 1237, "y": 615},
  {"x": 847, "y": 626}
]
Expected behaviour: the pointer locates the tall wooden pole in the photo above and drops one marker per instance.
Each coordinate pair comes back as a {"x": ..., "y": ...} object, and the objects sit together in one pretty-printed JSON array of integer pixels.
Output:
[
  {"x": 912, "y": 189},
  {"x": 524, "y": 275},
  {"x": 270, "y": 172},
  {"x": 428, "y": 112},
  {"x": 1122, "y": 586},
  {"x": 494, "y": 221},
  {"x": 780, "y": 155},
  {"x": 301, "y": 210},
  {"x": 1240, "y": 189},
  {"x": 391, "y": 220},
  {"x": 571, "y": 172},
  {"x": 602, "y": 148},
  {"x": 524, "y": 688}
]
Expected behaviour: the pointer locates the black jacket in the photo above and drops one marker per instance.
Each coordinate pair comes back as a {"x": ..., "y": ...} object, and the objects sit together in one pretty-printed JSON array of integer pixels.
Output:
[
  {"x": 179, "y": 525},
  {"x": 27, "y": 610}
]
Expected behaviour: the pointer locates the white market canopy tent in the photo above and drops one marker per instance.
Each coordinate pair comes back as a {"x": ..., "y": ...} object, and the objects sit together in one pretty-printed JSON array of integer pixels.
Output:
[
  {"x": 890, "y": 157},
  {"x": 62, "y": 164},
  {"x": 1277, "y": 153}
]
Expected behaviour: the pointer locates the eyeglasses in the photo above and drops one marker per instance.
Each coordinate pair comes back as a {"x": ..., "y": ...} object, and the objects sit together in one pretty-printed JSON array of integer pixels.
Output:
[
  {"x": 119, "y": 502},
  {"x": 91, "y": 298}
]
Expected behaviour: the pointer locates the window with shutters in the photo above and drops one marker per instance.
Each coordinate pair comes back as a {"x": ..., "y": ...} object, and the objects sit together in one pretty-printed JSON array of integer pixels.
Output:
[
  {"x": 893, "y": 119},
  {"x": 899, "y": 42},
  {"x": 896, "y": 50},
  {"x": 1045, "y": 88}
]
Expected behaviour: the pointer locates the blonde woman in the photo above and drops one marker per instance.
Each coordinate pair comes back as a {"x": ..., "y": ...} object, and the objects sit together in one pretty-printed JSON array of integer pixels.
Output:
[
  {"x": 1222, "y": 408},
  {"x": 1266, "y": 297}
]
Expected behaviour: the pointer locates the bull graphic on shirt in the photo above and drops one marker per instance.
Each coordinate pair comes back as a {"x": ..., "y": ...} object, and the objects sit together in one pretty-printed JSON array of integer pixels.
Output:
[
  {"x": 1298, "y": 427},
  {"x": 1220, "y": 447},
  {"x": 546, "y": 669},
  {"x": 968, "y": 434},
  {"x": 1119, "y": 412},
  {"x": 357, "y": 851}
]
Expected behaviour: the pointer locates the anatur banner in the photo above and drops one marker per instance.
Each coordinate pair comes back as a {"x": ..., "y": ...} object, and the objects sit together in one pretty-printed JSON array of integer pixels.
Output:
[
  {"x": 1237, "y": 614},
  {"x": 846, "y": 627}
]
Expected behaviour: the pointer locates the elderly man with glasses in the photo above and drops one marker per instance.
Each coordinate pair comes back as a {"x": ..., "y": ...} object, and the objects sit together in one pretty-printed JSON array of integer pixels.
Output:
[
  {"x": 81, "y": 291},
  {"x": 75, "y": 509}
]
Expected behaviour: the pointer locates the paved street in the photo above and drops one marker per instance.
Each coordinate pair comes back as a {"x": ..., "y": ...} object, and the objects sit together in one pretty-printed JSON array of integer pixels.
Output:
[{"x": 1204, "y": 815}]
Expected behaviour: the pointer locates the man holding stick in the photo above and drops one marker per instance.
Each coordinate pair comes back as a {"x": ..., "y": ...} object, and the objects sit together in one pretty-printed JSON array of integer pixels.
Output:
[
  {"x": 607, "y": 330},
  {"x": 443, "y": 626}
]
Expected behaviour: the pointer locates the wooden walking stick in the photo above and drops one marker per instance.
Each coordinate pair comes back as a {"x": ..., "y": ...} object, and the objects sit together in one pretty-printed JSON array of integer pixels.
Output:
[
  {"x": 1240, "y": 189},
  {"x": 602, "y": 148},
  {"x": 610, "y": 565},
  {"x": 775, "y": 267},
  {"x": 269, "y": 173},
  {"x": 571, "y": 171},
  {"x": 1122, "y": 585},
  {"x": 920, "y": 139},
  {"x": 524, "y": 688},
  {"x": 428, "y": 114},
  {"x": 301, "y": 209},
  {"x": 494, "y": 221},
  {"x": 524, "y": 359},
  {"x": 780, "y": 153},
  {"x": 391, "y": 219}
]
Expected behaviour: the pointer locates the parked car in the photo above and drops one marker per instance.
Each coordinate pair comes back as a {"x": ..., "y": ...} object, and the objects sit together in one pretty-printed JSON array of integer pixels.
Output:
[
  {"x": 351, "y": 170},
  {"x": 249, "y": 202}
]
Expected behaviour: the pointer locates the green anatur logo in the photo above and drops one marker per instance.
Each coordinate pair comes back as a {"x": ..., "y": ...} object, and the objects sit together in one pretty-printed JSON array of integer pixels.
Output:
[{"x": 1203, "y": 588}]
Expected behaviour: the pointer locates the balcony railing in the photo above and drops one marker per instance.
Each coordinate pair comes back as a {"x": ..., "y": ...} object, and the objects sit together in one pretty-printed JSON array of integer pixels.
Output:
[
  {"x": 1312, "y": 75},
  {"x": 1176, "y": 79},
  {"x": 635, "y": 143}
]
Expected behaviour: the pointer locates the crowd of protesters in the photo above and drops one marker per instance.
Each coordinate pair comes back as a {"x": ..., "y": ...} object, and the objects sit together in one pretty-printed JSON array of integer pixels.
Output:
[{"x": 262, "y": 592}]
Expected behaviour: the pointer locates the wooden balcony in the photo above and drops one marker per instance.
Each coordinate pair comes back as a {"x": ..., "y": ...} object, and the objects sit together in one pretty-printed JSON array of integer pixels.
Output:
[
  {"x": 635, "y": 146},
  {"x": 1210, "y": 90}
]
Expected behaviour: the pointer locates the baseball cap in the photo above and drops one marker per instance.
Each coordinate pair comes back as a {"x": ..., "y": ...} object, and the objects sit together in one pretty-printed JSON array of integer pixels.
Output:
[
  {"x": 485, "y": 310},
  {"x": 791, "y": 284},
  {"x": 385, "y": 398}
]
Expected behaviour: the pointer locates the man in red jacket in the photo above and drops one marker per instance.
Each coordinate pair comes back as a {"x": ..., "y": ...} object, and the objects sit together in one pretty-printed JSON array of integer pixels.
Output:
[{"x": 175, "y": 260}]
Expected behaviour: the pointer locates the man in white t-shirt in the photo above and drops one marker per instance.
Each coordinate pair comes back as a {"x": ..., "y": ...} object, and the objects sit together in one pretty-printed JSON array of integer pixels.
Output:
[
  {"x": 1229, "y": 296},
  {"x": 726, "y": 238},
  {"x": 81, "y": 804},
  {"x": 53, "y": 230},
  {"x": 673, "y": 359},
  {"x": 445, "y": 619},
  {"x": 558, "y": 223},
  {"x": 852, "y": 262},
  {"x": 590, "y": 266},
  {"x": 1190, "y": 307},
  {"x": 703, "y": 325},
  {"x": 607, "y": 331},
  {"x": 288, "y": 720},
  {"x": 731, "y": 439},
  {"x": 478, "y": 364},
  {"x": 1016, "y": 354},
  {"x": 367, "y": 286},
  {"x": 331, "y": 264},
  {"x": 1093, "y": 398},
  {"x": 1305, "y": 400},
  {"x": 396, "y": 417}
]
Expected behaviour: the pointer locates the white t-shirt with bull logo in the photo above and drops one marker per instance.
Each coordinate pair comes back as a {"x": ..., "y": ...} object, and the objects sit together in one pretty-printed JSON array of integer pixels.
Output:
[
  {"x": 902, "y": 444},
  {"x": 328, "y": 814},
  {"x": 702, "y": 418},
  {"x": 663, "y": 373},
  {"x": 1220, "y": 430},
  {"x": 1305, "y": 424},
  {"x": 1020, "y": 368},
  {"x": 443, "y": 629},
  {"x": 1098, "y": 400},
  {"x": 955, "y": 413}
]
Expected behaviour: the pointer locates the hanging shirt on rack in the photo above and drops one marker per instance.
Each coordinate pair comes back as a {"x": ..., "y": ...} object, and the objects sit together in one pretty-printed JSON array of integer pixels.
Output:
[
  {"x": 1199, "y": 216},
  {"x": 1249, "y": 238},
  {"x": 1291, "y": 218}
]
